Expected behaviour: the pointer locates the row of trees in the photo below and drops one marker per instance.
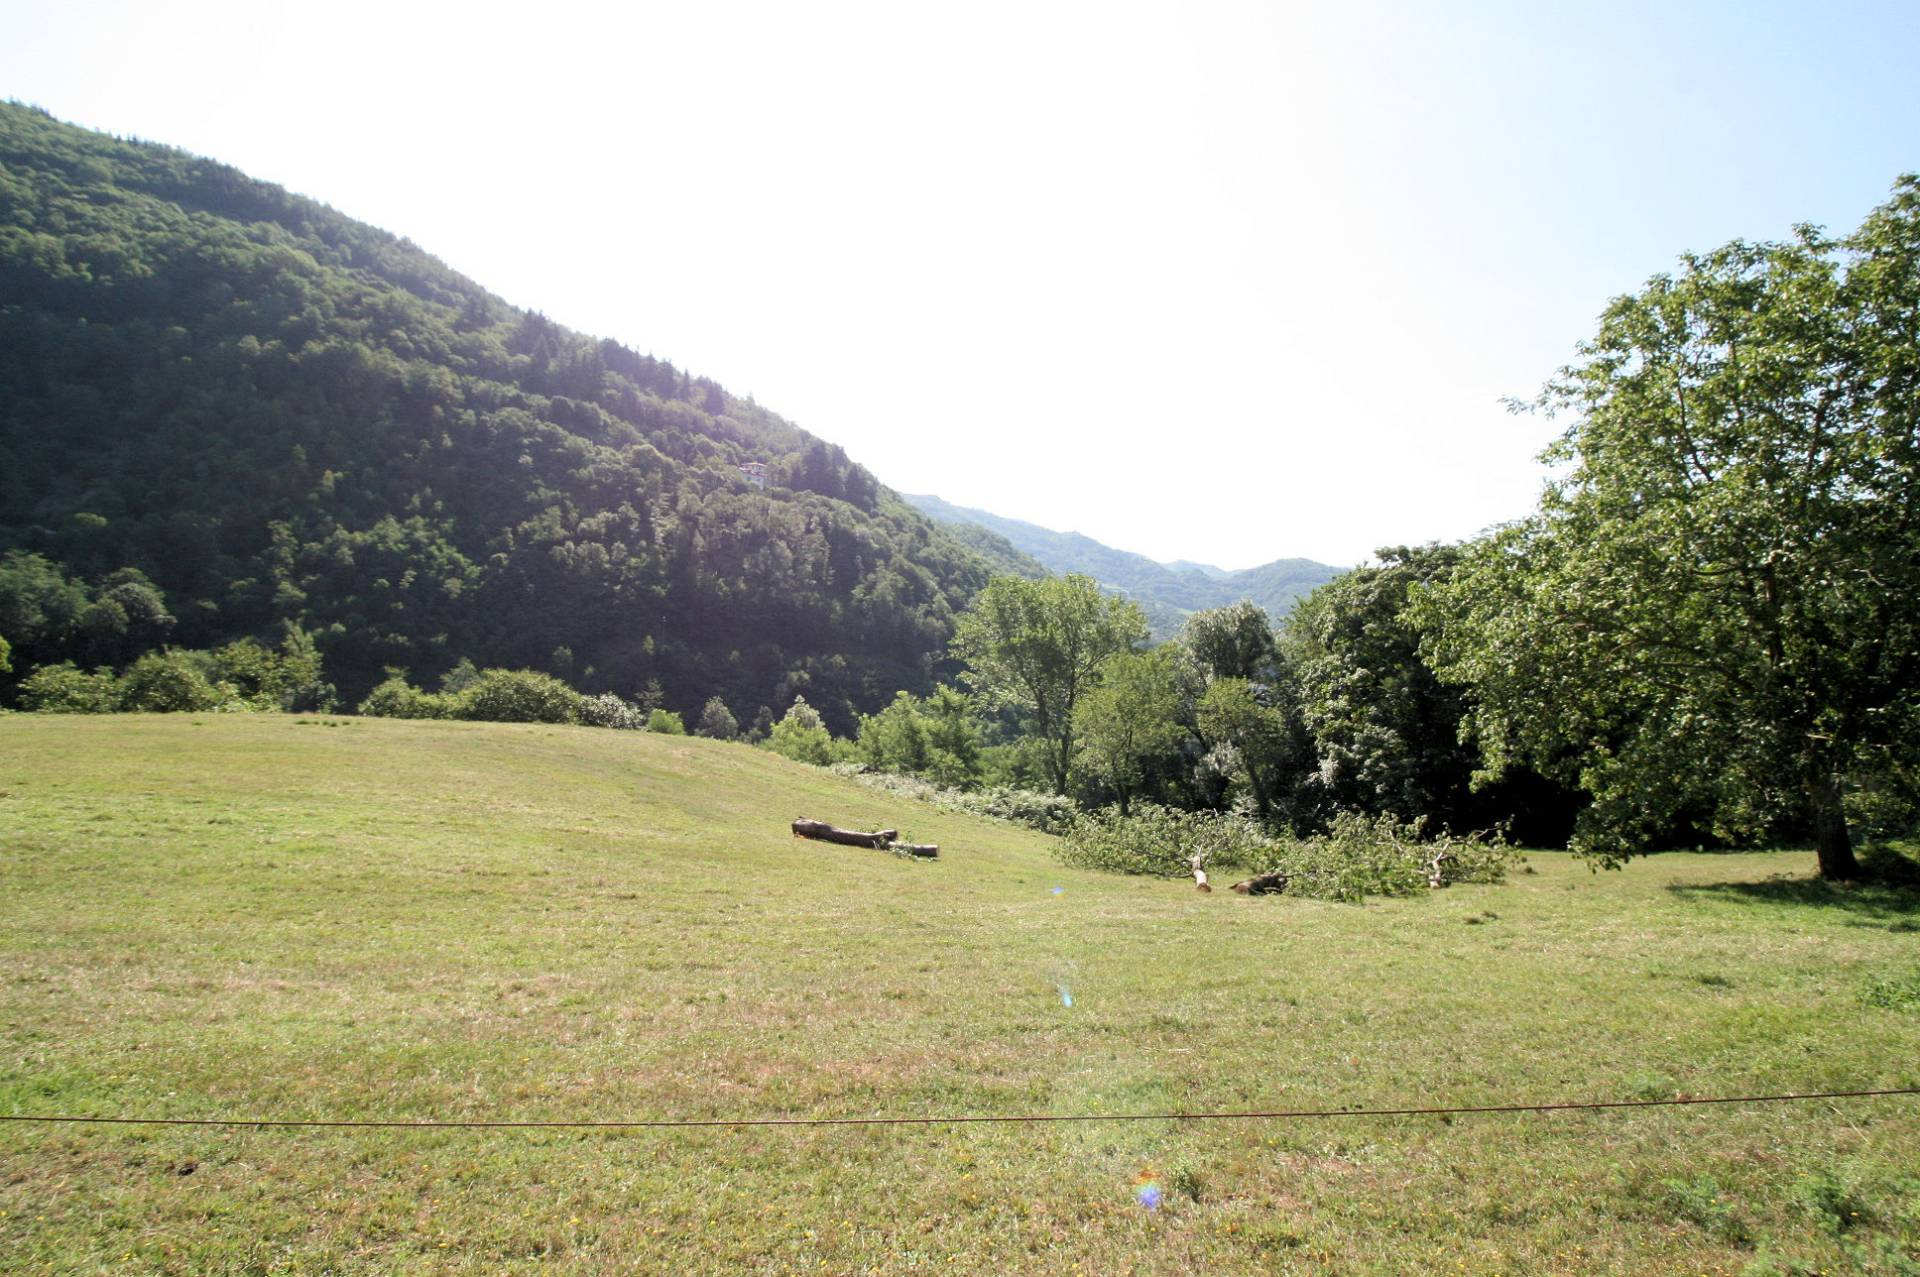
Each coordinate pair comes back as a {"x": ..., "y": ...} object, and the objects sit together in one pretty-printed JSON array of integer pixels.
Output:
[
  {"x": 1335, "y": 713},
  {"x": 1710, "y": 629}
]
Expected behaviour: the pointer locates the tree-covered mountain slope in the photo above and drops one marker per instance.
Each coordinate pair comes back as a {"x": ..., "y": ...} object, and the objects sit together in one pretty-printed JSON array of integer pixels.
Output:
[
  {"x": 283, "y": 416},
  {"x": 1168, "y": 591}
]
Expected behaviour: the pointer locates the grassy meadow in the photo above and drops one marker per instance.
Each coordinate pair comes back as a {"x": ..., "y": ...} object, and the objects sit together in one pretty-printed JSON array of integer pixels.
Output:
[{"x": 275, "y": 916}]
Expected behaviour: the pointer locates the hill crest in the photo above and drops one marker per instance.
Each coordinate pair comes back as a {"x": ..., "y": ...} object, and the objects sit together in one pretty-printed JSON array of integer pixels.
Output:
[{"x": 1168, "y": 591}]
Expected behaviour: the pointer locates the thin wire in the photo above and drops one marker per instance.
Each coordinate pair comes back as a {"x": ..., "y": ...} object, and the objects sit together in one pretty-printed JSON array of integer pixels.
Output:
[{"x": 433, "y": 1124}]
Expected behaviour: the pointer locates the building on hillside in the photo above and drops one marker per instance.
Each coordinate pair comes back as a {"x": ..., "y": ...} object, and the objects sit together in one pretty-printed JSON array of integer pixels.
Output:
[{"x": 754, "y": 472}]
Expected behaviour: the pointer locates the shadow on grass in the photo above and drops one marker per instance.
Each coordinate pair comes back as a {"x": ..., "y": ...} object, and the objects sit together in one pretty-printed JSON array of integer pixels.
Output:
[{"x": 1888, "y": 895}]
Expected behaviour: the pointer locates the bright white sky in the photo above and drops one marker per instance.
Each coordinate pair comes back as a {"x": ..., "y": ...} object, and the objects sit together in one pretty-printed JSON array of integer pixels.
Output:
[{"x": 1228, "y": 282}]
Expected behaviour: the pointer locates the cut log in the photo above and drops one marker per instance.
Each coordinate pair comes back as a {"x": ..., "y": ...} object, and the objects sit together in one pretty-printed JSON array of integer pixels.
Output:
[
  {"x": 879, "y": 839},
  {"x": 1199, "y": 863},
  {"x": 819, "y": 829},
  {"x": 1262, "y": 885}
]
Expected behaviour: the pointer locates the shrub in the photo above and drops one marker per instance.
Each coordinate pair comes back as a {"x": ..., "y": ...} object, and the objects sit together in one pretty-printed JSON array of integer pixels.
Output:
[
  {"x": 1034, "y": 808},
  {"x": 66, "y": 689},
  {"x": 1362, "y": 856},
  {"x": 717, "y": 721},
  {"x": 1161, "y": 841},
  {"x": 286, "y": 679},
  {"x": 169, "y": 683},
  {"x": 1358, "y": 857},
  {"x": 934, "y": 738},
  {"x": 666, "y": 722},
  {"x": 397, "y": 698},
  {"x": 608, "y": 710},
  {"x": 1049, "y": 813},
  {"x": 518, "y": 696},
  {"x": 801, "y": 735},
  {"x": 463, "y": 675}
]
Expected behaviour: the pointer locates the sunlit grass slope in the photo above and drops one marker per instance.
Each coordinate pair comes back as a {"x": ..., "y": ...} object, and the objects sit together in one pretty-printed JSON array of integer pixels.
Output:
[{"x": 279, "y": 917}]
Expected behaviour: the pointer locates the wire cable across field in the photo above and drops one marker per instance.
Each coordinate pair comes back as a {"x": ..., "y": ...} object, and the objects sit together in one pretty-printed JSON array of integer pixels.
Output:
[{"x": 1225, "y": 1115}]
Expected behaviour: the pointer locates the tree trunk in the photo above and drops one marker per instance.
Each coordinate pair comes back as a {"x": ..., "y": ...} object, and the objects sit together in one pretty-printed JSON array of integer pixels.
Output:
[
  {"x": 1830, "y": 837},
  {"x": 879, "y": 839},
  {"x": 1262, "y": 885},
  {"x": 821, "y": 830}
]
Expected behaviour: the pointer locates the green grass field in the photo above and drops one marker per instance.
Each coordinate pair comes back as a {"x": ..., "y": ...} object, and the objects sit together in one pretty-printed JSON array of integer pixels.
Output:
[{"x": 268, "y": 916}]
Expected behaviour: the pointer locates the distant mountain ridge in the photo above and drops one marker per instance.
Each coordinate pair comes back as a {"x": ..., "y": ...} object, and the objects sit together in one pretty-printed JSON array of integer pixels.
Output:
[{"x": 1168, "y": 591}]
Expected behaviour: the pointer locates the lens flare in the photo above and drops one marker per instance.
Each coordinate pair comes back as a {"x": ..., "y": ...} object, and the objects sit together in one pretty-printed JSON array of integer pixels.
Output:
[
  {"x": 1058, "y": 890},
  {"x": 1066, "y": 995},
  {"x": 1146, "y": 1189}
]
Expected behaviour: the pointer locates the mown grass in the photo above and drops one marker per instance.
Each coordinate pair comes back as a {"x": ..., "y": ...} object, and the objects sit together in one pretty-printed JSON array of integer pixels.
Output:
[{"x": 271, "y": 916}]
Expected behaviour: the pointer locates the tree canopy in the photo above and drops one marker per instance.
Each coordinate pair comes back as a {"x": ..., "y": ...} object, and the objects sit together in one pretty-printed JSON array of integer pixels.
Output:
[
  {"x": 1126, "y": 718},
  {"x": 1036, "y": 647},
  {"x": 1714, "y": 609}
]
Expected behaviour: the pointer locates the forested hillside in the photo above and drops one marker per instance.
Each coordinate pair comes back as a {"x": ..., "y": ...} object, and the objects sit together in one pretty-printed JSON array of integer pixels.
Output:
[
  {"x": 277, "y": 417},
  {"x": 1168, "y": 592}
]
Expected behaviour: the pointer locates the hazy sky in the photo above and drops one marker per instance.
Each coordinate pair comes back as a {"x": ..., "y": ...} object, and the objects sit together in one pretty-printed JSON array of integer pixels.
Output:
[{"x": 1228, "y": 282}]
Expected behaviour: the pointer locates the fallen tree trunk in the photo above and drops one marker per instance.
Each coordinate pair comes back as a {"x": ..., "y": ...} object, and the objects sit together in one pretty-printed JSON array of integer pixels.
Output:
[
  {"x": 1262, "y": 885},
  {"x": 822, "y": 831},
  {"x": 1437, "y": 869},
  {"x": 878, "y": 840},
  {"x": 1199, "y": 863}
]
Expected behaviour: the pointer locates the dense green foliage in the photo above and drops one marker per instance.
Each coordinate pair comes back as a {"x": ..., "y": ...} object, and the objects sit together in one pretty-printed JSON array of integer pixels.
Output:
[
  {"x": 935, "y": 737},
  {"x": 513, "y": 696},
  {"x": 1356, "y": 857},
  {"x": 1162, "y": 841},
  {"x": 1392, "y": 739},
  {"x": 717, "y": 721},
  {"x": 225, "y": 408},
  {"x": 802, "y": 736},
  {"x": 1712, "y": 617},
  {"x": 666, "y": 722},
  {"x": 66, "y": 689},
  {"x": 1360, "y": 856},
  {"x": 518, "y": 696},
  {"x": 1031, "y": 808},
  {"x": 1127, "y": 718},
  {"x": 241, "y": 676},
  {"x": 1035, "y": 647}
]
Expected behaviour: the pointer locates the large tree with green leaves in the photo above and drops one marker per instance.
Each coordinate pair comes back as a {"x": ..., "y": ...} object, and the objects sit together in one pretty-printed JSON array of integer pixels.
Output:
[
  {"x": 1715, "y": 605},
  {"x": 1386, "y": 730},
  {"x": 1127, "y": 718},
  {"x": 1036, "y": 647}
]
